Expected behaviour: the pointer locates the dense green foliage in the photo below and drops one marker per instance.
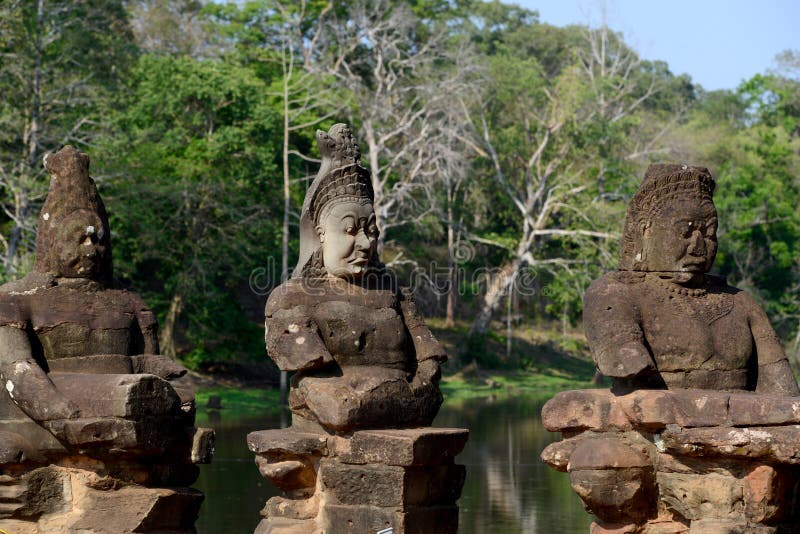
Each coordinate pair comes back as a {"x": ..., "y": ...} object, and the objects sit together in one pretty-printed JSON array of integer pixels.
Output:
[{"x": 504, "y": 149}]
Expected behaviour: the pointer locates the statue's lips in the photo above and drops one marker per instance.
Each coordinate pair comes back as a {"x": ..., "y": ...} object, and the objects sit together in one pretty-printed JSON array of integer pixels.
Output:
[{"x": 693, "y": 265}]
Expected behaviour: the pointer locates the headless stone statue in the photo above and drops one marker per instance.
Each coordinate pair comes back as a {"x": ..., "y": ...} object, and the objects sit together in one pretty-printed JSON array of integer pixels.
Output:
[
  {"x": 366, "y": 377},
  {"x": 661, "y": 321},
  {"x": 699, "y": 432},
  {"x": 83, "y": 379}
]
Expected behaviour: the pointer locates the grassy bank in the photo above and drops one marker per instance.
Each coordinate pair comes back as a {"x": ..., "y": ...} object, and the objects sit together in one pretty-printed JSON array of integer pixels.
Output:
[
  {"x": 540, "y": 363},
  {"x": 508, "y": 384},
  {"x": 238, "y": 403}
]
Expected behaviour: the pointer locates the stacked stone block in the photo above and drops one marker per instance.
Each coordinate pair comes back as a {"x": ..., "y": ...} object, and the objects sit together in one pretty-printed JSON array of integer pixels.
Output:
[
  {"x": 680, "y": 461},
  {"x": 371, "y": 480}
]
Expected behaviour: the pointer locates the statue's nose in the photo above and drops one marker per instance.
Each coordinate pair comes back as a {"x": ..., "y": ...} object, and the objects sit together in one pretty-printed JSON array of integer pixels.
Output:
[
  {"x": 362, "y": 241},
  {"x": 697, "y": 245}
]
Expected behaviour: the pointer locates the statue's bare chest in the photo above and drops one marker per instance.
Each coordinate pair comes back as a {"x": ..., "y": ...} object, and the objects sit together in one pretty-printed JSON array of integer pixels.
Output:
[
  {"x": 363, "y": 331},
  {"x": 689, "y": 333},
  {"x": 73, "y": 323}
]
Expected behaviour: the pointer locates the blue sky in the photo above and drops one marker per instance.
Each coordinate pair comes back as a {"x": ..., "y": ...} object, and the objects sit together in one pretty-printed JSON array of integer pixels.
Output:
[{"x": 718, "y": 43}]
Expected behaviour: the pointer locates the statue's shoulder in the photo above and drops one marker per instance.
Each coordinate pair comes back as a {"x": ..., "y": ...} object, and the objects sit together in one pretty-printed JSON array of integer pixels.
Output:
[
  {"x": 31, "y": 284},
  {"x": 289, "y": 294},
  {"x": 16, "y": 296}
]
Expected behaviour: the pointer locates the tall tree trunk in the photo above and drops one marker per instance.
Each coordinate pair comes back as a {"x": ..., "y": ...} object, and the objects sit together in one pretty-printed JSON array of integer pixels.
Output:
[
  {"x": 498, "y": 286},
  {"x": 452, "y": 281},
  {"x": 22, "y": 206},
  {"x": 794, "y": 351},
  {"x": 286, "y": 191},
  {"x": 167, "y": 337}
]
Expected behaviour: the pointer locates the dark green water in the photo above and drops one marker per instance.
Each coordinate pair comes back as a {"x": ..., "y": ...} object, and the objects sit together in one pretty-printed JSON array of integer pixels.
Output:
[{"x": 508, "y": 489}]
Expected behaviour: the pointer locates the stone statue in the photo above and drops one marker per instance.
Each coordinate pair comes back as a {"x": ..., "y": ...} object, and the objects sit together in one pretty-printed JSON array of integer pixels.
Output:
[
  {"x": 84, "y": 385},
  {"x": 366, "y": 376},
  {"x": 699, "y": 432},
  {"x": 363, "y": 355},
  {"x": 661, "y": 321}
]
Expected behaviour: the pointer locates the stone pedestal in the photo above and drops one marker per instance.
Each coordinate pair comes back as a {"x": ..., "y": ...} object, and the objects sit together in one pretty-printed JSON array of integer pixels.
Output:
[
  {"x": 680, "y": 461},
  {"x": 128, "y": 470},
  {"x": 369, "y": 481}
]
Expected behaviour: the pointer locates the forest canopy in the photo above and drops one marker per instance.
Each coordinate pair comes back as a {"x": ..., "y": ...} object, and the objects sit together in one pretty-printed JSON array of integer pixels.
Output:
[{"x": 503, "y": 151}]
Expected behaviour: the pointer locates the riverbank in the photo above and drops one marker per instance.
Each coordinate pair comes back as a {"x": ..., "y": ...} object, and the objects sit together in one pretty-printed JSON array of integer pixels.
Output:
[
  {"x": 536, "y": 362},
  {"x": 245, "y": 402}
]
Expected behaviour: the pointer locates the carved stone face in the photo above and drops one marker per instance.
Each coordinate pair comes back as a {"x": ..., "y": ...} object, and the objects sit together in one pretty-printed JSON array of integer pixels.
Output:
[
  {"x": 683, "y": 238},
  {"x": 80, "y": 245},
  {"x": 348, "y": 237}
]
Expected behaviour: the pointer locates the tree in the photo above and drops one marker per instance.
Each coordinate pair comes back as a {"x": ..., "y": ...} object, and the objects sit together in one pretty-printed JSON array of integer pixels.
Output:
[
  {"x": 192, "y": 194},
  {"x": 538, "y": 137},
  {"x": 62, "y": 60},
  {"x": 401, "y": 73},
  {"x": 172, "y": 27}
]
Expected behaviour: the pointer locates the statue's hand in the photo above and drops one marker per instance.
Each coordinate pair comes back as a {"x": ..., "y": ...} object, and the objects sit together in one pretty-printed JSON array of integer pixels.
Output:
[
  {"x": 157, "y": 364},
  {"x": 428, "y": 373},
  {"x": 631, "y": 359}
]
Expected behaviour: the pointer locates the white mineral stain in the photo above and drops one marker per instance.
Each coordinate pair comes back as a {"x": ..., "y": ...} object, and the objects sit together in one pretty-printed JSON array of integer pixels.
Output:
[
  {"x": 9, "y": 386},
  {"x": 28, "y": 292},
  {"x": 300, "y": 340},
  {"x": 90, "y": 230},
  {"x": 22, "y": 367},
  {"x": 701, "y": 402},
  {"x": 293, "y": 328},
  {"x": 355, "y": 342},
  {"x": 46, "y": 216}
]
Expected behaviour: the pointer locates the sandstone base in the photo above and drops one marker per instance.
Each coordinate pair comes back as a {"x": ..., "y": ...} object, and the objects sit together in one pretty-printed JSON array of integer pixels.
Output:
[
  {"x": 680, "y": 461},
  {"x": 405, "y": 480},
  {"x": 79, "y": 496}
]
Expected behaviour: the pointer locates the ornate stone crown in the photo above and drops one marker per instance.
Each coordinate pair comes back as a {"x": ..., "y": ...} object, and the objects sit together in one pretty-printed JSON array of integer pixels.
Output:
[
  {"x": 662, "y": 183},
  {"x": 342, "y": 178},
  {"x": 351, "y": 182}
]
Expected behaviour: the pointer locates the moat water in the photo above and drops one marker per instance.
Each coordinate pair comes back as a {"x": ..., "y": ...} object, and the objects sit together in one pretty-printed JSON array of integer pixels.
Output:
[{"x": 508, "y": 490}]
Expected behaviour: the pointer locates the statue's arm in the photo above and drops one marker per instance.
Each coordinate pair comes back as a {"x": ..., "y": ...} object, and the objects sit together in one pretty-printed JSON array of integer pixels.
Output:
[
  {"x": 150, "y": 361},
  {"x": 774, "y": 372},
  {"x": 148, "y": 324},
  {"x": 429, "y": 353},
  {"x": 293, "y": 340},
  {"x": 426, "y": 346},
  {"x": 27, "y": 383},
  {"x": 612, "y": 324}
]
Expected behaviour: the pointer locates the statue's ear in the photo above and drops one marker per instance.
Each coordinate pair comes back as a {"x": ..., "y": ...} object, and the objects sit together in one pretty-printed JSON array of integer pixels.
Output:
[
  {"x": 320, "y": 233},
  {"x": 642, "y": 231},
  {"x": 643, "y": 228}
]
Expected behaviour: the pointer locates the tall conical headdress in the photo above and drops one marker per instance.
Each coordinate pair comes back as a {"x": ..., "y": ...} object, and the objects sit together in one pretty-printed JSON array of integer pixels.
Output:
[
  {"x": 340, "y": 178},
  {"x": 71, "y": 190}
]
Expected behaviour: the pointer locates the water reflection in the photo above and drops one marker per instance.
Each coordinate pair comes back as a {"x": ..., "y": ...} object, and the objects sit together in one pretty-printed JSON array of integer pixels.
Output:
[{"x": 508, "y": 489}]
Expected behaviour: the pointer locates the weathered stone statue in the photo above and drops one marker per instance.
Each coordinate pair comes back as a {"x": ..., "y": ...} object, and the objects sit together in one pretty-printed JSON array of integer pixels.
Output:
[
  {"x": 363, "y": 359},
  {"x": 88, "y": 418},
  {"x": 363, "y": 355},
  {"x": 681, "y": 443},
  {"x": 660, "y": 320}
]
